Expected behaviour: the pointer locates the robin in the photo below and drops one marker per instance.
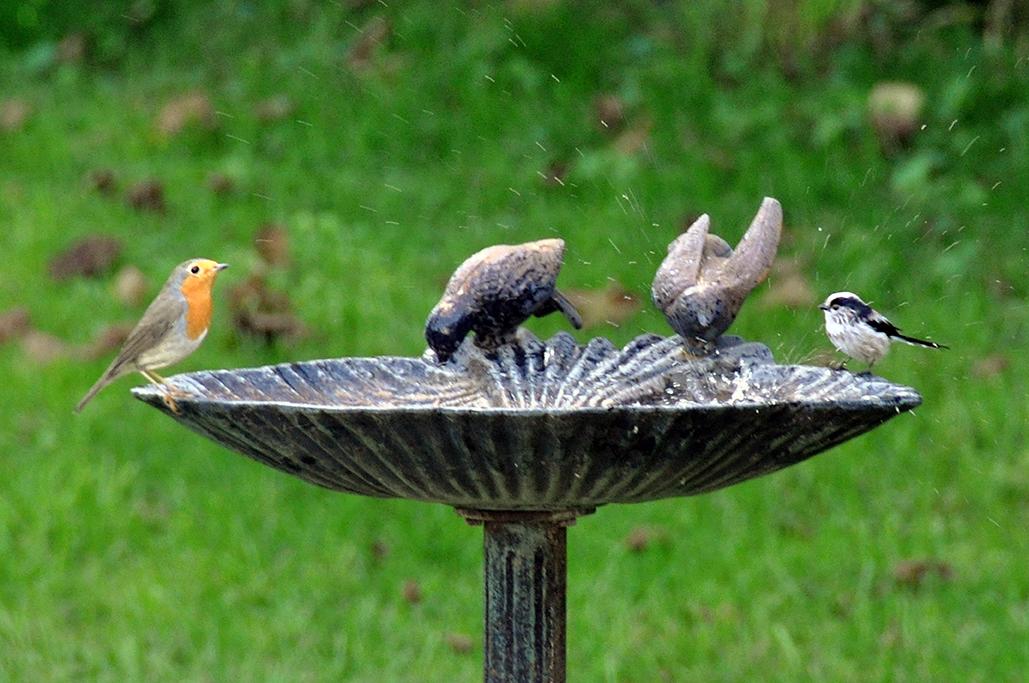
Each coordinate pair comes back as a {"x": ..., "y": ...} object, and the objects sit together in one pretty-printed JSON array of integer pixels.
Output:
[{"x": 171, "y": 328}]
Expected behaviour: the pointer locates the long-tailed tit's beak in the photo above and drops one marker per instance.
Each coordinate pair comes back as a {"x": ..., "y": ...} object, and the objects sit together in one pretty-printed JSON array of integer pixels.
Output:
[{"x": 823, "y": 307}]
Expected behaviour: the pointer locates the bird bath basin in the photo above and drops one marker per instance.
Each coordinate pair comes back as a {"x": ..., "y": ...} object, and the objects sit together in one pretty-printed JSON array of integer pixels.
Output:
[{"x": 526, "y": 437}]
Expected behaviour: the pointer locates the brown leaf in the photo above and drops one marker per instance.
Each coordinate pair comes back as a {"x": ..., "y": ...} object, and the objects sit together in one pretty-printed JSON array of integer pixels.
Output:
[
  {"x": 14, "y": 323},
  {"x": 271, "y": 326},
  {"x": 190, "y": 109},
  {"x": 892, "y": 636},
  {"x": 612, "y": 305},
  {"x": 106, "y": 342},
  {"x": 639, "y": 539},
  {"x": 412, "y": 592},
  {"x": 72, "y": 48},
  {"x": 609, "y": 113},
  {"x": 991, "y": 366},
  {"x": 634, "y": 138},
  {"x": 102, "y": 180},
  {"x": 380, "y": 550},
  {"x": 13, "y": 114},
  {"x": 258, "y": 311},
  {"x": 272, "y": 243},
  {"x": 130, "y": 286},
  {"x": 43, "y": 348},
  {"x": 89, "y": 257},
  {"x": 912, "y": 573},
  {"x": 788, "y": 285},
  {"x": 364, "y": 49},
  {"x": 147, "y": 195},
  {"x": 459, "y": 642},
  {"x": 895, "y": 109},
  {"x": 555, "y": 173},
  {"x": 274, "y": 108},
  {"x": 221, "y": 184}
]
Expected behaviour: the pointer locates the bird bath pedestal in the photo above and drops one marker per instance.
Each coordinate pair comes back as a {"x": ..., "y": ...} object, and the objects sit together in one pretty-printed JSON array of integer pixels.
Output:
[{"x": 525, "y": 438}]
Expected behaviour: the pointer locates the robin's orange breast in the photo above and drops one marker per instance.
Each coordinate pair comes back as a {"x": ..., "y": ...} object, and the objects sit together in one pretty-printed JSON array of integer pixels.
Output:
[{"x": 198, "y": 306}]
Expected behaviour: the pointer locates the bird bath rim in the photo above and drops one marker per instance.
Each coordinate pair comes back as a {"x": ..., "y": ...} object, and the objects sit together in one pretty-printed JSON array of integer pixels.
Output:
[{"x": 905, "y": 399}]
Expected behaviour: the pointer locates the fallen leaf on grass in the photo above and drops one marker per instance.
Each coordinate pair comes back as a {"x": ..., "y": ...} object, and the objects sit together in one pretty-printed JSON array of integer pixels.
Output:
[
  {"x": 612, "y": 305},
  {"x": 609, "y": 113},
  {"x": 895, "y": 109},
  {"x": 272, "y": 243},
  {"x": 13, "y": 114},
  {"x": 72, "y": 48},
  {"x": 912, "y": 573},
  {"x": 130, "y": 286},
  {"x": 892, "y": 636},
  {"x": 412, "y": 592},
  {"x": 43, "y": 348},
  {"x": 639, "y": 539},
  {"x": 373, "y": 34},
  {"x": 554, "y": 174},
  {"x": 14, "y": 323},
  {"x": 270, "y": 326},
  {"x": 89, "y": 257},
  {"x": 147, "y": 195},
  {"x": 274, "y": 108},
  {"x": 634, "y": 138},
  {"x": 380, "y": 550},
  {"x": 102, "y": 180},
  {"x": 221, "y": 184},
  {"x": 991, "y": 366},
  {"x": 191, "y": 109},
  {"x": 258, "y": 311},
  {"x": 788, "y": 285},
  {"x": 459, "y": 642}
]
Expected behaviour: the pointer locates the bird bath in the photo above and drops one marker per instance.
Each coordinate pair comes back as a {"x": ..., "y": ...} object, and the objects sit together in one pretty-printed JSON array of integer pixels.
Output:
[{"x": 525, "y": 438}]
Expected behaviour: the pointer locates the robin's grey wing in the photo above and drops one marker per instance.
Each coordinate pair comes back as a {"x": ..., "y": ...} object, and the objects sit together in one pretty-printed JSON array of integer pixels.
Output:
[{"x": 157, "y": 322}]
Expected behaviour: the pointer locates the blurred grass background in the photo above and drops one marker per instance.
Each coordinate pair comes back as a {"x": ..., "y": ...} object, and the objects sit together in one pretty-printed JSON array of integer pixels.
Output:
[{"x": 379, "y": 144}]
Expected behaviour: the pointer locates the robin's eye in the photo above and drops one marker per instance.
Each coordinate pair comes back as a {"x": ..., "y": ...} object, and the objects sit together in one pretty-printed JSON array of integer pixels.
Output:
[{"x": 195, "y": 269}]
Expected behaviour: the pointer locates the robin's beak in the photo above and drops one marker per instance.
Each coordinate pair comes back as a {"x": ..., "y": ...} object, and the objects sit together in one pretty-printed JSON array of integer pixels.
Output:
[{"x": 221, "y": 266}]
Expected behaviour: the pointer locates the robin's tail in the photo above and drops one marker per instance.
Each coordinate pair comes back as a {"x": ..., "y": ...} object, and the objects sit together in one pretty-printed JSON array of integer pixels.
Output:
[
  {"x": 112, "y": 373},
  {"x": 915, "y": 341}
]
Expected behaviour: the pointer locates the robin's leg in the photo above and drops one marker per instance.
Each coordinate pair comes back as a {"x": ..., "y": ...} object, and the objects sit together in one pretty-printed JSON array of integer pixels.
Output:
[
  {"x": 169, "y": 391},
  {"x": 154, "y": 377}
]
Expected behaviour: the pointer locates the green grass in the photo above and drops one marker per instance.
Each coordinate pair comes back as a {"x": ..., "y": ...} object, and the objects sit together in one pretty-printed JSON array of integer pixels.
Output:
[{"x": 131, "y": 549}]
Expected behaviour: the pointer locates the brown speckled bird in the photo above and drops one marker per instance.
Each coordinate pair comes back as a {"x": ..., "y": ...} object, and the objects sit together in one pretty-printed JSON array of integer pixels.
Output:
[
  {"x": 171, "y": 328},
  {"x": 494, "y": 291},
  {"x": 701, "y": 284}
]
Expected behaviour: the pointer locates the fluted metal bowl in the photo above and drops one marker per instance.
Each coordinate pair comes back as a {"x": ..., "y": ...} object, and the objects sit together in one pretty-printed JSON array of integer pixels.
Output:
[{"x": 535, "y": 426}]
